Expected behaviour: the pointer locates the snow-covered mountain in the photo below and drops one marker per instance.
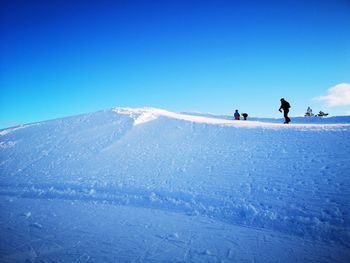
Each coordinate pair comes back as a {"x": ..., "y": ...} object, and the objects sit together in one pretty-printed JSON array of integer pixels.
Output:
[{"x": 147, "y": 185}]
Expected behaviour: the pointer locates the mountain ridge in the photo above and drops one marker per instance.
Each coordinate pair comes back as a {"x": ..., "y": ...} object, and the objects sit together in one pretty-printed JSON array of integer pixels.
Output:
[
  {"x": 287, "y": 182},
  {"x": 146, "y": 114}
]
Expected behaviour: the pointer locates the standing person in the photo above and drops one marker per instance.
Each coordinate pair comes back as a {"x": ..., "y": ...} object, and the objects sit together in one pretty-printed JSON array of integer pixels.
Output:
[
  {"x": 245, "y": 115},
  {"x": 237, "y": 115},
  {"x": 285, "y": 107}
]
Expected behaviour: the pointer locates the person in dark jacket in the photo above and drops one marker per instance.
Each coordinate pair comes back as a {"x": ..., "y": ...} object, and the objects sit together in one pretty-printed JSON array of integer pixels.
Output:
[
  {"x": 285, "y": 107},
  {"x": 237, "y": 115},
  {"x": 245, "y": 115}
]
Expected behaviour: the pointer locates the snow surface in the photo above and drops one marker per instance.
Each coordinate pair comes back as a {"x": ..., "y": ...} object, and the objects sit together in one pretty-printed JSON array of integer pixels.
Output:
[{"x": 149, "y": 185}]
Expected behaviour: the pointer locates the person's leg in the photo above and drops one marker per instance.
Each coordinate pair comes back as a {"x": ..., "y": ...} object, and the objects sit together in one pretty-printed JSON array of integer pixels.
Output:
[{"x": 286, "y": 118}]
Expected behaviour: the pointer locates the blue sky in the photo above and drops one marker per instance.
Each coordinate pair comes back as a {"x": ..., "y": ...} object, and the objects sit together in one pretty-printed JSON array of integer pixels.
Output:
[{"x": 61, "y": 58}]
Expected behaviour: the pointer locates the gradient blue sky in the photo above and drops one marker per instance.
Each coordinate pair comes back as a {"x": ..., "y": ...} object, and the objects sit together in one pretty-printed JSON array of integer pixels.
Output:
[{"x": 61, "y": 58}]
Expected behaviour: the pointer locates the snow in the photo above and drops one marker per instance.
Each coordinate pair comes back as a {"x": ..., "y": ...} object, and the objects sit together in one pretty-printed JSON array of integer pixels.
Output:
[
  {"x": 143, "y": 115},
  {"x": 7, "y": 131},
  {"x": 146, "y": 185}
]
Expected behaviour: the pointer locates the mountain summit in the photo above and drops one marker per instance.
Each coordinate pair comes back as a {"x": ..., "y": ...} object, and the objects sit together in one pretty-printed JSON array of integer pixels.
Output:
[{"x": 149, "y": 184}]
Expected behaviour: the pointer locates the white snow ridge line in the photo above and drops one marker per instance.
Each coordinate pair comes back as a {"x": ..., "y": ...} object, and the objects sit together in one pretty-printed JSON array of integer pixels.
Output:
[
  {"x": 9, "y": 130},
  {"x": 144, "y": 115}
]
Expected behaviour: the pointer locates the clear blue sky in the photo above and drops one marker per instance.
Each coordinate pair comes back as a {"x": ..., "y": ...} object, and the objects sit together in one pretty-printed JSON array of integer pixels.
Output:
[{"x": 67, "y": 57}]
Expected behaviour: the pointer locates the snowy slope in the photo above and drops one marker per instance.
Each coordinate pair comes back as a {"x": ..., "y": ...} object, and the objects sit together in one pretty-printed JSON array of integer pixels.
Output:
[{"x": 151, "y": 185}]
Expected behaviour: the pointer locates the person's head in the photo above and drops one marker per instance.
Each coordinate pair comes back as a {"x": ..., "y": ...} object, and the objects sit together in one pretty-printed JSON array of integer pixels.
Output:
[
  {"x": 236, "y": 110},
  {"x": 282, "y": 99}
]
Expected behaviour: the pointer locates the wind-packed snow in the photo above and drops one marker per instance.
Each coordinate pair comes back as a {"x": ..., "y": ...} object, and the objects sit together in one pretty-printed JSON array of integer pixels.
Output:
[{"x": 149, "y": 185}]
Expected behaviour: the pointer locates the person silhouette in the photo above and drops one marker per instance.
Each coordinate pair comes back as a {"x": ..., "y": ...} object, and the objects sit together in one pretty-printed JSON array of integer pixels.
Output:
[
  {"x": 285, "y": 107},
  {"x": 237, "y": 115}
]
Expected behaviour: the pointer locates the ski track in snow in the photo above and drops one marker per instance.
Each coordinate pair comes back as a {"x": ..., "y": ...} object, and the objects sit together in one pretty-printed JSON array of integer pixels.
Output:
[
  {"x": 270, "y": 177},
  {"x": 294, "y": 220}
]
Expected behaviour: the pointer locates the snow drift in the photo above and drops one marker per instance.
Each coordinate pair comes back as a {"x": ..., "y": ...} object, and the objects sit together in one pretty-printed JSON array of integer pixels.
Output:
[{"x": 198, "y": 176}]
